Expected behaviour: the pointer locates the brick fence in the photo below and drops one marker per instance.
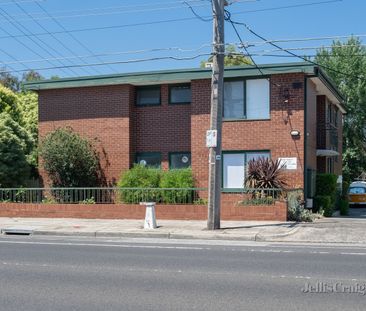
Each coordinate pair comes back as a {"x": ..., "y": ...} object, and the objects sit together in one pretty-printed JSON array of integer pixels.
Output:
[{"x": 229, "y": 211}]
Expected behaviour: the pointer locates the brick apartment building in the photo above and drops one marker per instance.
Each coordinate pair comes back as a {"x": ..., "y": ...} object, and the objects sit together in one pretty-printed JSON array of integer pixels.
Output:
[{"x": 160, "y": 118}]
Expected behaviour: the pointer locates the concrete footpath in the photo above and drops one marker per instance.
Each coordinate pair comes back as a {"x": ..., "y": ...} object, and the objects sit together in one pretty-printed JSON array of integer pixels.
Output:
[{"x": 326, "y": 230}]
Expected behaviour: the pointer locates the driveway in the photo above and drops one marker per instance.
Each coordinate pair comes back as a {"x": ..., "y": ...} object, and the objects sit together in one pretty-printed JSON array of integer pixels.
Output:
[{"x": 340, "y": 229}]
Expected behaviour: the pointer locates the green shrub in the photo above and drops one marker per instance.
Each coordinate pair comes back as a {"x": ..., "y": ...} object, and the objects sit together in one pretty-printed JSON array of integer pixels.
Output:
[
  {"x": 179, "y": 178},
  {"x": 324, "y": 203},
  {"x": 88, "y": 201},
  {"x": 259, "y": 201},
  {"x": 15, "y": 144},
  {"x": 70, "y": 160},
  {"x": 297, "y": 212},
  {"x": 343, "y": 207},
  {"x": 152, "y": 181},
  {"x": 140, "y": 177},
  {"x": 326, "y": 184}
]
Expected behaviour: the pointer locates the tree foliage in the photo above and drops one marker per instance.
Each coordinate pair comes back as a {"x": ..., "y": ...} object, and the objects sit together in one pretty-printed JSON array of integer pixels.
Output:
[
  {"x": 8, "y": 80},
  {"x": 69, "y": 159},
  {"x": 15, "y": 147},
  {"x": 14, "y": 83},
  {"x": 233, "y": 58},
  {"x": 9, "y": 103},
  {"x": 348, "y": 59}
]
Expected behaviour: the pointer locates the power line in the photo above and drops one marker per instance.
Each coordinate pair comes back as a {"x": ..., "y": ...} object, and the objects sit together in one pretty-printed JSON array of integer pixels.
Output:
[
  {"x": 256, "y": 43},
  {"x": 123, "y": 9},
  {"x": 310, "y": 48},
  {"x": 130, "y": 61},
  {"x": 197, "y": 15},
  {"x": 115, "y": 10},
  {"x": 291, "y": 53},
  {"x": 177, "y": 49},
  {"x": 163, "y": 21},
  {"x": 3, "y": 13},
  {"x": 228, "y": 18},
  {"x": 20, "y": 1},
  {"x": 45, "y": 29},
  {"x": 62, "y": 27}
]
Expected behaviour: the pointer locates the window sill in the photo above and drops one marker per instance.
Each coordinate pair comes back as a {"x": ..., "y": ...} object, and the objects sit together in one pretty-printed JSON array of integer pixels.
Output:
[
  {"x": 232, "y": 190},
  {"x": 147, "y": 105},
  {"x": 243, "y": 119},
  {"x": 182, "y": 103}
]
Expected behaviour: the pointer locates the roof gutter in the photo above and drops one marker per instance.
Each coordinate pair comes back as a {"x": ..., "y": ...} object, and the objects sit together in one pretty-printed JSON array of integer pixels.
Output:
[{"x": 323, "y": 77}]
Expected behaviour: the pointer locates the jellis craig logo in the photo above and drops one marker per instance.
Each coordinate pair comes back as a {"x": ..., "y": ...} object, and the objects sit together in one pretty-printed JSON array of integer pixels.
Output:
[{"x": 338, "y": 287}]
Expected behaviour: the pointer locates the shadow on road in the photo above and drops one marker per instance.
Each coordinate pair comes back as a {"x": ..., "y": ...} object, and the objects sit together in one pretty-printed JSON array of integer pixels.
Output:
[{"x": 282, "y": 224}]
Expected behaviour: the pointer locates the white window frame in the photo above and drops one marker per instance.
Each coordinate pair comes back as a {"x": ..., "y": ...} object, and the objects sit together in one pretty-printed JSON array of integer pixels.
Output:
[
  {"x": 242, "y": 171},
  {"x": 249, "y": 103}
]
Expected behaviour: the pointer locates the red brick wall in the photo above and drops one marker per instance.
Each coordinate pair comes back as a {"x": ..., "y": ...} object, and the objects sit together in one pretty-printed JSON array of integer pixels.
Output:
[
  {"x": 311, "y": 126},
  {"x": 323, "y": 136},
  {"x": 120, "y": 129},
  {"x": 134, "y": 211},
  {"x": 165, "y": 128},
  {"x": 99, "y": 113},
  {"x": 273, "y": 134}
]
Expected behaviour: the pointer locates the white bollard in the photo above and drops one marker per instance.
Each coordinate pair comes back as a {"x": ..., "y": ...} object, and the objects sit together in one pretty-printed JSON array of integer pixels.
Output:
[{"x": 150, "y": 218}]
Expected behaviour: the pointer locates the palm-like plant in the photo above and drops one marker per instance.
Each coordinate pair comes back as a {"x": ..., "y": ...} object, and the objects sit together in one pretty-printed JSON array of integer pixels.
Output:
[{"x": 265, "y": 173}]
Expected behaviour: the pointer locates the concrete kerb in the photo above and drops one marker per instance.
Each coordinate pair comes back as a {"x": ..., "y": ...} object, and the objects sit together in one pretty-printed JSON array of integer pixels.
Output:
[
  {"x": 205, "y": 235},
  {"x": 263, "y": 238}
]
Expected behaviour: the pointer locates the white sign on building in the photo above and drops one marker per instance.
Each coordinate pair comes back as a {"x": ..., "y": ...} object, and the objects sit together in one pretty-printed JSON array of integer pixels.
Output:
[
  {"x": 289, "y": 163},
  {"x": 211, "y": 138}
]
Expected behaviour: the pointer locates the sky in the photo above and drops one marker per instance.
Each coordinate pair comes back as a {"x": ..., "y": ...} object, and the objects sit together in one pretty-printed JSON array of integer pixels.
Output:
[{"x": 73, "y": 37}]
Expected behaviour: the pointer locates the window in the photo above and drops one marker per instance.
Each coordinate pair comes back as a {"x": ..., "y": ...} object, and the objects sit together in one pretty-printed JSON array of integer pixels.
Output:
[
  {"x": 148, "y": 95},
  {"x": 335, "y": 121},
  {"x": 180, "y": 94},
  {"x": 248, "y": 99},
  {"x": 179, "y": 160},
  {"x": 357, "y": 190},
  {"x": 150, "y": 159},
  {"x": 329, "y": 113},
  {"x": 234, "y": 167},
  {"x": 330, "y": 165}
]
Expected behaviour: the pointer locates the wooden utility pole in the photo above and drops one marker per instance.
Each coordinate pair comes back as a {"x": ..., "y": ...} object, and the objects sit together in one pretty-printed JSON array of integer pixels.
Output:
[{"x": 217, "y": 99}]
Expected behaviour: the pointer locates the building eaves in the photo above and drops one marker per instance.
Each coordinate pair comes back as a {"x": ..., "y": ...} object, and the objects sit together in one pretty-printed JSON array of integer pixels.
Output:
[{"x": 169, "y": 76}]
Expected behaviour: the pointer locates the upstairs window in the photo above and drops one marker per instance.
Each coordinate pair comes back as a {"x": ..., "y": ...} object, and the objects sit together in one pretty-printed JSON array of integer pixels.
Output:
[
  {"x": 247, "y": 99},
  {"x": 180, "y": 94},
  {"x": 148, "y": 95},
  {"x": 149, "y": 159},
  {"x": 335, "y": 119}
]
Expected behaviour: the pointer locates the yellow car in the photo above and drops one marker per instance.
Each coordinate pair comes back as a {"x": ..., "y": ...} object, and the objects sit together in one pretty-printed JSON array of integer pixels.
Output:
[{"x": 357, "y": 193}]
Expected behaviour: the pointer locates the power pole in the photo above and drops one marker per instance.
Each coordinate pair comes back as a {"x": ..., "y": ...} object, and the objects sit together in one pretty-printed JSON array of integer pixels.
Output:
[{"x": 217, "y": 99}]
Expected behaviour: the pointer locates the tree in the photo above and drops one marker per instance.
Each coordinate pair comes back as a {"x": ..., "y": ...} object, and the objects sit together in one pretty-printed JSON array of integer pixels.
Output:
[
  {"x": 348, "y": 60},
  {"x": 69, "y": 159},
  {"x": 15, "y": 145},
  {"x": 8, "y": 80},
  {"x": 234, "y": 58},
  {"x": 31, "y": 75},
  {"x": 28, "y": 107},
  {"x": 9, "y": 103}
]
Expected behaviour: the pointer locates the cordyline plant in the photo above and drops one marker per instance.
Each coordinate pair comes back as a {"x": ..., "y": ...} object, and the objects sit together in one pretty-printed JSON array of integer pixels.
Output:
[{"x": 264, "y": 173}]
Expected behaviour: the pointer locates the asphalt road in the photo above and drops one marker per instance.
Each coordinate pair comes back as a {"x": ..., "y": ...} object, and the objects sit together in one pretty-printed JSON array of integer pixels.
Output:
[{"x": 114, "y": 274}]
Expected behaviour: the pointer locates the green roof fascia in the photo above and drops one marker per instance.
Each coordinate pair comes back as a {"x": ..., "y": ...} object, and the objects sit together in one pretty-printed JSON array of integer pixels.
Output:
[
  {"x": 320, "y": 73},
  {"x": 166, "y": 76}
]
